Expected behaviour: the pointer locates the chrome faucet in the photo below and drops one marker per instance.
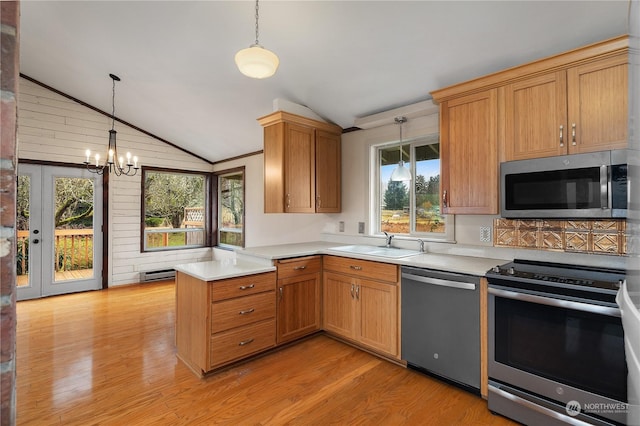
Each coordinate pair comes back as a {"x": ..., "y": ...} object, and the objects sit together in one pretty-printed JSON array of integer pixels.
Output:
[
  {"x": 421, "y": 242},
  {"x": 388, "y": 239}
]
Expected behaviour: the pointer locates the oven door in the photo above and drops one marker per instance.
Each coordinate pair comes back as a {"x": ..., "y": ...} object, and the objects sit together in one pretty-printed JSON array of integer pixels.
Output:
[{"x": 559, "y": 350}]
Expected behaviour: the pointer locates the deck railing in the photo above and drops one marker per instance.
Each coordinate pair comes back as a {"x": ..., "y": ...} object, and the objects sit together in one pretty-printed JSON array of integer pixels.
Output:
[{"x": 73, "y": 250}]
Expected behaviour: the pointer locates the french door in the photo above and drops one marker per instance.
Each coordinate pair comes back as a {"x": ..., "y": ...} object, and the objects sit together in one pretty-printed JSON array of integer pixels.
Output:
[{"x": 59, "y": 237}]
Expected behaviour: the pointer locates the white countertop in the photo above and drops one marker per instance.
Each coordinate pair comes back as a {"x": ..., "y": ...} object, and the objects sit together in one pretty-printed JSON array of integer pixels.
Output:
[
  {"x": 221, "y": 269},
  {"x": 443, "y": 262}
]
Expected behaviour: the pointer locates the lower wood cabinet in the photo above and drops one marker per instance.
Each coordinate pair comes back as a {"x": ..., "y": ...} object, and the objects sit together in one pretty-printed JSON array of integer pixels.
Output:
[
  {"x": 359, "y": 308},
  {"x": 219, "y": 322},
  {"x": 298, "y": 297}
]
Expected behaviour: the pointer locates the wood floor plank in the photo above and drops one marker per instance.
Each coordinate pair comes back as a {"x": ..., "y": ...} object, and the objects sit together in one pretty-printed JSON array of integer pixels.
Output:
[{"x": 108, "y": 358}]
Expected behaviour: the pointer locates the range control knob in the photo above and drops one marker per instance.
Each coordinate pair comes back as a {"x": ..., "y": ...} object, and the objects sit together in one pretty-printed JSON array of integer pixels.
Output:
[
  {"x": 511, "y": 271},
  {"x": 496, "y": 269}
]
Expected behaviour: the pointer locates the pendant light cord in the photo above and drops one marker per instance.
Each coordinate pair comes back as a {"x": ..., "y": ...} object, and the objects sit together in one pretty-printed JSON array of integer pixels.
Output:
[{"x": 257, "y": 17}]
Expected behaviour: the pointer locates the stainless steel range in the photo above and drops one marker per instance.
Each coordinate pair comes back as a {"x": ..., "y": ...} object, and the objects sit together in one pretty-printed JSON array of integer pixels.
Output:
[{"x": 556, "y": 344}]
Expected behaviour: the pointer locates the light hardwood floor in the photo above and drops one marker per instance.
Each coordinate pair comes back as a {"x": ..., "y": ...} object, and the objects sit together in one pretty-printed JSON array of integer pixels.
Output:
[{"x": 108, "y": 358}]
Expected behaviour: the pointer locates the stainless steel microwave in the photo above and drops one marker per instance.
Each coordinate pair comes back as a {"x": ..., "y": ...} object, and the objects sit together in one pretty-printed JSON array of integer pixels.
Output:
[{"x": 591, "y": 185}]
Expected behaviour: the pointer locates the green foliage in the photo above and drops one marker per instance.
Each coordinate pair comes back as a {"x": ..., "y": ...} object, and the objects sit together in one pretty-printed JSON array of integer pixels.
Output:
[
  {"x": 396, "y": 196},
  {"x": 167, "y": 194}
]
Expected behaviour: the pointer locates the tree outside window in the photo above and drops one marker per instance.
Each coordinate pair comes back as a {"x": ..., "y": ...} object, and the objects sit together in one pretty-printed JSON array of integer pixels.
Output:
[
  {"x": 175, "y": 211},
  {"x": 231, "y": 208}
]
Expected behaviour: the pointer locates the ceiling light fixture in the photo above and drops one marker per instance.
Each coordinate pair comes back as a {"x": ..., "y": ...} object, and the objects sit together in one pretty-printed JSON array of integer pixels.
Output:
[
  {"x": 400, "y": 173},
  {"x": 255, "y": 61},
  {"x": 110, "y": 165}
]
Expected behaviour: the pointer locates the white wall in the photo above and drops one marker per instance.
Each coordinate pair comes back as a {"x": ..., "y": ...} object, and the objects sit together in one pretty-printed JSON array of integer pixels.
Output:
[{"x": 56, "y": 129}]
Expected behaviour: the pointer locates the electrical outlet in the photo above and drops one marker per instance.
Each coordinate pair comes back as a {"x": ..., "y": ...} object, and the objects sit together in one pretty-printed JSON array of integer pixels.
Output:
[
  {"x": 360, "y": 227},
  {"x": 341, "y": 226},
  {"x": 485, "y": 234}
]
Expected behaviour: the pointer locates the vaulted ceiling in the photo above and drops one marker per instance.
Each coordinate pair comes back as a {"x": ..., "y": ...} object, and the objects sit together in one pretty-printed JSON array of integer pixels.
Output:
[{"x": 342, "y": 59}]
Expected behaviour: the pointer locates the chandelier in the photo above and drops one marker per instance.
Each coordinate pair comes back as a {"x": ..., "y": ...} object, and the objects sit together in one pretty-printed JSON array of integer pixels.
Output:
[
  {"x": 113, "y": 163},
  {"x": 255, "y": 61}
]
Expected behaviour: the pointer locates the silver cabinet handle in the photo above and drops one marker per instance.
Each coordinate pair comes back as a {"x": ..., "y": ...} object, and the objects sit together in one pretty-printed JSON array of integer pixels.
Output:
[
  {"x": 352, "y": 288},
  {"x": 356, "y": 268},
  {"x": 288, "y": 200},
  {"x": 246, "y": 287},
  {"x": 247, "y": 312},
  {"x": 281, "y": 291},
  {"x": 561, "y": 135},
  {"x": 358, "y": 292},
  {"x": 573, "y": 134},
  {"x": 444, "y": 198},
  {"x": 299, "y": 268},
  {"x": 245, "y": 342}
]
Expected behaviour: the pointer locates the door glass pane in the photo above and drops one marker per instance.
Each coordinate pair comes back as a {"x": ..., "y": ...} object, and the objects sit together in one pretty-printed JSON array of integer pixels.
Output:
[
  {"x": 73, "y": 220},
  {"x": 231, "y": 209},
  {"x": 22, "y": 224}
]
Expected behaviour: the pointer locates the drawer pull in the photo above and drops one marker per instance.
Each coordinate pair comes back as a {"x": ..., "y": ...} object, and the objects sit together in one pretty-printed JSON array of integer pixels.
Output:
[
  {"x": 247, "y": 287},
  {"x": 248, "y": 311},
  {"x": 298, "y": 268},
  {"x": 245, "y": 342},
  {"x": 356, "y": 268}
]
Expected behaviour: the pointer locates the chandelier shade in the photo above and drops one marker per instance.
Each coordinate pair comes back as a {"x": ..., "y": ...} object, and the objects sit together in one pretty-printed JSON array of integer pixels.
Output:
[{"x": 257, "y": 62}]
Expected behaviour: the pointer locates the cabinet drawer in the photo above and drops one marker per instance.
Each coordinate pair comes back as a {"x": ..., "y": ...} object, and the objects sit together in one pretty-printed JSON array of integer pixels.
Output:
[
  {"x": 242, "y": 286},
  {"x": 362, "y": 268},
  {"x": 242, "y": 311},
  {"x": 240, "y": 342},
  {"x": 300, "y": 266}
]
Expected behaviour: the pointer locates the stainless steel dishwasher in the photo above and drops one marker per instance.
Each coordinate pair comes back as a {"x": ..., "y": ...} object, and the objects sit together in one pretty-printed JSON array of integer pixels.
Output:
[{"x": 441, "y": 325}]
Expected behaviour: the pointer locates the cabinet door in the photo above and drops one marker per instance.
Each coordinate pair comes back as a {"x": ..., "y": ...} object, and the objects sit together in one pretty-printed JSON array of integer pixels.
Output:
[
  {"x": 339, "y": 304},
  {"x": 597, "y": 96},
  {"x": 328, "y": 172},
  {"x": 377, "y": 316},
  {"x": 300, "y": 169},
  {"x": 534, "y": 110},
  {"x": 298, "y": 306},
  {"x": 469, "y": 158}
]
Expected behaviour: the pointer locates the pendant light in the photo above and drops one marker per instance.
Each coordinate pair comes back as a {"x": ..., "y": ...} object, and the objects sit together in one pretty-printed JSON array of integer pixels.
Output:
[
  {"x": 401, "y": 173},
  {"x": 255, "y": 61},
  {"x": 113, "y": 163}
]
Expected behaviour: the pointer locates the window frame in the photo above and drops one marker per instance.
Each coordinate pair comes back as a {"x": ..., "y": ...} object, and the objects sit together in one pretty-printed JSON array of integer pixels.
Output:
[
  {"x": 207, "y": 208},
  {"x": 376, "y": 198},
  {"x": 216, "y": 220}
]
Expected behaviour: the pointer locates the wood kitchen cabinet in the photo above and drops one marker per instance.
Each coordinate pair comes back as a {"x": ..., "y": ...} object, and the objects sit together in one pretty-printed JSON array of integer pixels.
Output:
[
  {"x": 219, "y": 322},
  {"x": 298, "y": 297},
  {"x": 469, "y": 154},
  {"x": 580, "y": 109},
  {"x": 302, "y": 164},
  {"x": 360, "y": 303}
]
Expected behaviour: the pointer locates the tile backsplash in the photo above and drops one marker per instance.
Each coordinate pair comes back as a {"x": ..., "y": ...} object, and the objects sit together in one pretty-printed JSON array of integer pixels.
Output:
[{"x": 579, "y": 236}]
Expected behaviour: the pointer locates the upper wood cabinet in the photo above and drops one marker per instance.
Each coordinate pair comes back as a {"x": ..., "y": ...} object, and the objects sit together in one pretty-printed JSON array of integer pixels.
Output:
[
  {"x": 569, "y": 103},
  {"x": 302, "y": 164},
  {"x": 468, "y": 154},
  {"x": 581, "y": 109}
]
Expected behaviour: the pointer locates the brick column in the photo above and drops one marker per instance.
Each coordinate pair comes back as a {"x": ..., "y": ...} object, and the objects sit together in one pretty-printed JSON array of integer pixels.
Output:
[{"x": 9, "y": 72}]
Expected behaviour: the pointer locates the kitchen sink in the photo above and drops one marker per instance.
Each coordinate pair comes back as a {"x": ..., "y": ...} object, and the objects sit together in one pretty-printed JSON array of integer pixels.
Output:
[{"x": 391, "y": 252}]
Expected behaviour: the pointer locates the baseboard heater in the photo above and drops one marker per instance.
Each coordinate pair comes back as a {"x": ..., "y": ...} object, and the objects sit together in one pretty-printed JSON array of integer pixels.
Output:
[{"x": 163, "y": 274}]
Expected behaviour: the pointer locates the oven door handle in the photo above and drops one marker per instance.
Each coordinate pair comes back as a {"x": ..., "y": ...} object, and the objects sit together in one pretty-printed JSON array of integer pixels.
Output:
[
  {"x": 440, "y": 282},
  {"x": 558, "y": 303}
]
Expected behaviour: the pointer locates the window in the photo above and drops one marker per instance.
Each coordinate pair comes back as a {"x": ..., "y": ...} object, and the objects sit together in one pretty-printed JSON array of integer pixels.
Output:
[
  {"x": 411, "y": 207},
  {"x": 174, "y": 209},
  {"x": 231, "y": 208}
]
